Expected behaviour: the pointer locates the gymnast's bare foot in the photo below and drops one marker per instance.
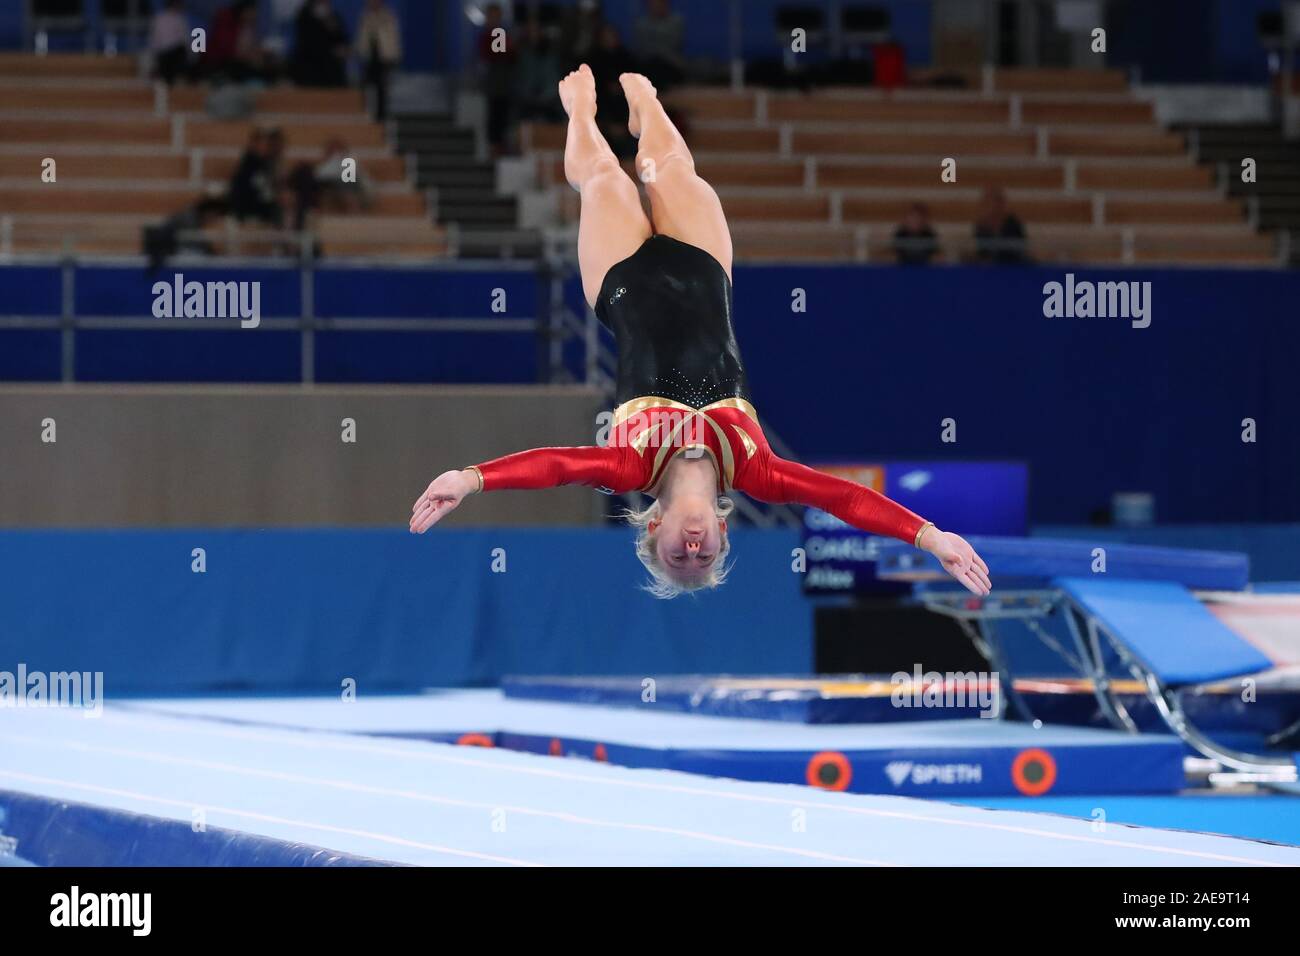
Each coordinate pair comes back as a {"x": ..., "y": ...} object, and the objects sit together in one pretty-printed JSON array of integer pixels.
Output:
[
  {"x": 578, "y": 92},
  {"x": 638, "y": 91}
]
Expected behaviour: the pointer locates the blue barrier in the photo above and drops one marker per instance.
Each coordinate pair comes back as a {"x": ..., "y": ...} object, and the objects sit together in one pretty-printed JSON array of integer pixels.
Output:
[
  {"x": 308, "y": 609},
  {"x": 1094, "y": 406},
  {"x": 406, "y": 349}
]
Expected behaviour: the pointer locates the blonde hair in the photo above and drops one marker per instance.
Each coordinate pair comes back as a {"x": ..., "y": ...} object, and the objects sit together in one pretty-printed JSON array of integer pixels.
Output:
[{"x": 662, "y": 584}]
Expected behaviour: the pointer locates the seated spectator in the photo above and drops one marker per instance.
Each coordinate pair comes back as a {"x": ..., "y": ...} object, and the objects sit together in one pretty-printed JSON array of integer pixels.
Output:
[
  {"x": 915, "y": 243},
  {"x": 537, "y": 76},
  {"x": 379, "y": 48},
  {"x": 608, "y": 61},
  {"x": 999, "y": 236},
  {"x": 320, "y": 46},
  {"x": 581, "y": 33},
  {"x": 254, "y": 191},
  {"x": 235, "y": 52},
  {"x": 658, "y": 42},
  {"x": 497, "y": 63},
  {"x": 169, "y": 42},
  {"x": 320, "y": 185},
  {"x": 179, "y": 233}
]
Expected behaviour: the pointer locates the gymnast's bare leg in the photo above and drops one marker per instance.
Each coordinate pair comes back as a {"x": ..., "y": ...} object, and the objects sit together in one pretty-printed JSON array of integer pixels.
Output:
[
  {"x": 612, "y": 224},
  {"x": 682, "y": 205}
]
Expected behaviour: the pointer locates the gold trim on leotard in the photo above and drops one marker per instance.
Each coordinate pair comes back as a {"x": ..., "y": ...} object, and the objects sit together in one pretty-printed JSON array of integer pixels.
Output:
[
  {"x": 750, "y": 448},
  {"x": 632, "y": 406},
  {"x": 726, "y": 468}
]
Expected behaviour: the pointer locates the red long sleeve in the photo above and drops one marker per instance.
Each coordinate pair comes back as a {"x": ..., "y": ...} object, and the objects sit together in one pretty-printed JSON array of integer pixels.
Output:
[
  {"x": 596, "y": 467},
  {"x": 788, "y": 482}
]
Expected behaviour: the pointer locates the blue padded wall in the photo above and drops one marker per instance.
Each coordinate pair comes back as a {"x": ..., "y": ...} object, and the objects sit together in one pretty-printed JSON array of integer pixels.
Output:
[{"x": 300, "y": 610}]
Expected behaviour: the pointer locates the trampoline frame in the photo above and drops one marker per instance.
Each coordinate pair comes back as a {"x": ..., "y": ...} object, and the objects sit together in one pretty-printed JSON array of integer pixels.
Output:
[{"x": 977, "y": 618}]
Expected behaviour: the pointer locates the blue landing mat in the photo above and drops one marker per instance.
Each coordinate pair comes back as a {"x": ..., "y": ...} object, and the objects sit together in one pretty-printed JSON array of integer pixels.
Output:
[
  {"x": 1041, "y": 559},
  {"x": 928, "y": 758},
  {"x": 415, "y": 802}
]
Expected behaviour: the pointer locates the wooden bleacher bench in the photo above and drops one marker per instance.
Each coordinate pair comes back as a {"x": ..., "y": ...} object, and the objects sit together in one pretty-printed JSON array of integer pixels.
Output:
[
  {"x": 839, "y": 174},
  {"x": 74, "y": 166},
  {"x": 95, "y": 132},
  {"x": 66, "y": 65},
  {"x": 936, "y": 145},
  {"x": 1062, "y": 81},
  {"x": 820, "y": 109},
  {"x": 372, "y": 236},
  {"x": 310, "y": 132},
  {"x": 277, "y": 100},
  {"x": 124, "y": 165}
]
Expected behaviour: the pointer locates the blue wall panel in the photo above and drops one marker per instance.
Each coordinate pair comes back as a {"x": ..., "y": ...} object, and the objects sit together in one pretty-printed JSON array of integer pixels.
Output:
[
  {"x": 883, "y": 355},
  {"x": 30, "y": 290},
  {"x": 127, "y": 291},
  {"x": 30, "y": 355},
  {"x": 421, "y": 357},
  {"x": 307, "y": 609},
  {"x": 426, "y": 293},
  {"x": 188, "y": 355}
]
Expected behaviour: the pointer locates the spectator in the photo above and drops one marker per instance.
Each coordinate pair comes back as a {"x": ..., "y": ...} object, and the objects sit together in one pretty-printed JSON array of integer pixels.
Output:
[
  {"x": 496, "y": 52},
  {"x": 999, "y": 236},
  {"x": 658, "y": 36},
  {"x": 608, "y": 61},
  {"x": 320, "y": 185},
  {"x": 915, "y": 243},
  {"x": 581, "y": 33},
  {"x": 235, "y": 50},
  {"x": 169, "y": 42},
  {"x": 379, "y": 47},
  {"x": 178, "y": 233},
  {"x": 254, "y": 187},
  {"x": 320, "y": 47},
  {"x": 537, "y": 76}
]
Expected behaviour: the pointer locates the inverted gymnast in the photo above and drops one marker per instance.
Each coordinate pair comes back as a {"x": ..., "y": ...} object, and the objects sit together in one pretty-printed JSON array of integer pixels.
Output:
[{"x": 684, "y": 431}]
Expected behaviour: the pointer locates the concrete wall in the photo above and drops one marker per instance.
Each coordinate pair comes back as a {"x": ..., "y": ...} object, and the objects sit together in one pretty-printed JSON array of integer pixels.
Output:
[{"x": 272, "y": 456}]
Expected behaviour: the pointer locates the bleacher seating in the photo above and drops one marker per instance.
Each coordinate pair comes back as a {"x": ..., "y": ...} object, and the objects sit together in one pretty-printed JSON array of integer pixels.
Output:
[
  {"x": 129, "y": 155},
  {"x": 1083, "y": 162}
]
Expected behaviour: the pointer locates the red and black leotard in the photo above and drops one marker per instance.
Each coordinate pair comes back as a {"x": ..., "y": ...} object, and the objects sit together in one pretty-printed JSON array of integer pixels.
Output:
[{"x": 682, "y": 389}]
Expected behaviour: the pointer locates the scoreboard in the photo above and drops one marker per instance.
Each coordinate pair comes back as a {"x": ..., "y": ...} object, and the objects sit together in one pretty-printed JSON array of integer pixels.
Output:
[{"x": 974, "y": 497}]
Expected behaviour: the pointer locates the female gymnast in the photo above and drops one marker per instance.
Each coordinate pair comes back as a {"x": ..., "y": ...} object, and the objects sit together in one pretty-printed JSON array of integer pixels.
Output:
[{"x": 684, "y": 431}]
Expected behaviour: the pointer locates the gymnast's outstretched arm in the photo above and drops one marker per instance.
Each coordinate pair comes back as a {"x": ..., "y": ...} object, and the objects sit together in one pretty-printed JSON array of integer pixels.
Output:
[
  {"x": 780, "y": 481},
  {"x": 608, "y": 467}
]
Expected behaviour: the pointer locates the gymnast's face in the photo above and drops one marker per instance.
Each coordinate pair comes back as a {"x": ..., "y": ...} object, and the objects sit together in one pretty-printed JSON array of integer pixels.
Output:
[{"x": 688, "y": 537}]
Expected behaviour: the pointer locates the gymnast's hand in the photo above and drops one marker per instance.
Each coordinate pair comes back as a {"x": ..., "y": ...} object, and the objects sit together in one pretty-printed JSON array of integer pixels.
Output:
[
  {"x": 441, "y": 497},
  {"x": 958, "y": 559}
]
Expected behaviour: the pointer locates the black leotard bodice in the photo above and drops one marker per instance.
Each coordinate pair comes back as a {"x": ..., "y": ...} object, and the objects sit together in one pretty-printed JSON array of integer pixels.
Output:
[{"x": 669, "y": 307}]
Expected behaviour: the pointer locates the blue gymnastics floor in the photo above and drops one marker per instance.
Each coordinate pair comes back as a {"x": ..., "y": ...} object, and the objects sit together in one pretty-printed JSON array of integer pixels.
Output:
[
  {"x": 1273, "y": 816},
  {"x": 416, "y": 802}
]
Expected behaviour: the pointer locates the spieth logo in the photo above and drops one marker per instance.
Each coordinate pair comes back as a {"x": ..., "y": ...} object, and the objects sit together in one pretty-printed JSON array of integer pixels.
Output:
[{"x": 905, "y": 771}]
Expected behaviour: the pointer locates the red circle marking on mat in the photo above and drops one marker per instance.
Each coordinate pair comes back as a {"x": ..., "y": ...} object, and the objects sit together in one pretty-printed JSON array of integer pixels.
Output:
[
  {"x": 557, "y": 748},
  {"x": 1029, "y": 762},
  {"x": 475, "y": 740},
  {"x": 829, "y": 770},
  {"x": 600, "y": 753}
]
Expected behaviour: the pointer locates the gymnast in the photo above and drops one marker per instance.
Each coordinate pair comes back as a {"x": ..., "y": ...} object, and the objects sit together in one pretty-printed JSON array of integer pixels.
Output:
[{"x": 684, "y": 431}]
